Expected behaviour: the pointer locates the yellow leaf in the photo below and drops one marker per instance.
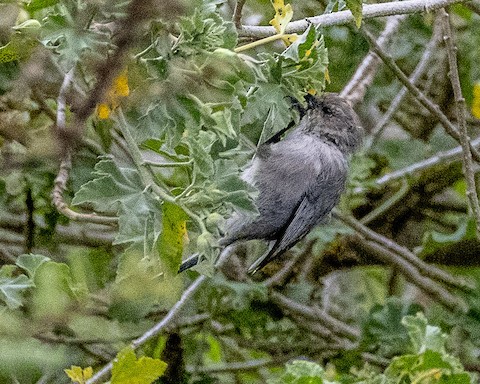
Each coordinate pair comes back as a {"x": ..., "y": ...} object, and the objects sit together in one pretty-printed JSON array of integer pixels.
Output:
[
  {"x": 103, "y": 111},
  {"x": 476, "y": 100},
  {"x": 79, "y": 375},
  {"x": 119, "y": 89},
  {"x": 327, "y": 76},
  {"x": 121, "y": 85},
  {"x": 283, "y": 15}
]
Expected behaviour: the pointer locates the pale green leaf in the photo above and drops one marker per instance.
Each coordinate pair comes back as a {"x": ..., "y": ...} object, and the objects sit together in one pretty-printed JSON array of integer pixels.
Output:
[
  {"x": 127, "y": 369},
  {"x": 13, "y": 288},
  {"x": 31, "y": 262}
]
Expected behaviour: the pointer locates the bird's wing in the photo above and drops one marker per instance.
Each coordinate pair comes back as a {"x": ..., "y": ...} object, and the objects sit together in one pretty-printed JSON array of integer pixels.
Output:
[
  {"x": 300, "y": 224},
  {"x": 312, "y": 208}
]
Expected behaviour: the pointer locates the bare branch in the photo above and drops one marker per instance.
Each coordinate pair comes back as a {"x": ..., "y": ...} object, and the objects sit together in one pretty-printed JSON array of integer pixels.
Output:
[
  {"x": 336, "y": 326},
  {"x": 417, "y": 73},
  {"x": 427, "y": 270},
  {"x": 461, "y": 118},
  {"x": 345, "y": 17},
  {"x": 250, "y": 365},
  {"x": 427, "y": 103},
  {"x": 444, "y": 157},
  {"x": 355, "y": 90},
  {"x": 61, "y": 180},
  {"x": 431, "y": 287},
  {"x": 237, "y": 13}
]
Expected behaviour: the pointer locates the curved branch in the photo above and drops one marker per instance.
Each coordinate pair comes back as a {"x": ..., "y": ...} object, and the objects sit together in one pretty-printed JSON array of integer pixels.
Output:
[{"x": 61, "y": 180}]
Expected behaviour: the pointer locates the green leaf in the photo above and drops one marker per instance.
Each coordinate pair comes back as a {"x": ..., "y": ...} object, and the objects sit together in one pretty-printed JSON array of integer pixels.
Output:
[
  {"x": 13, "y": 288},
  {"x": 239, "y": 193},
  {"x": 424, "y": 336},
  {"x": 79, "y": 375},
  {"x": 121, "y": 190},
  {"x": 127, "y": 369},
  {"x": 133, "y": 214},
  {"x": 112, "y": 184},
  {"x": 384, "y": 331},
  {"x": 302, "y": 372},
  {"x": 18, "y": 48},
  {"x": 31, "y": 262},
  {"x": 267, "y": 109},
  {"x": 54, "y": 295},
  {"x": 199, "y": 146},
  {"x": 36, "y": 5},
  {"x": 171, "y": 240},
  {"x": 205, "y": 30},
  {"x": 356, "y": 7},
  {"x": 70, "y": 41}
]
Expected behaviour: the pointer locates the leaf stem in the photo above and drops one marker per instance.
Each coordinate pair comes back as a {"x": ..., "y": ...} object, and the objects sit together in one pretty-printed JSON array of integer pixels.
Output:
[
  {"x": 146, "y": 174},
  {"x": 257, "y": 43}
]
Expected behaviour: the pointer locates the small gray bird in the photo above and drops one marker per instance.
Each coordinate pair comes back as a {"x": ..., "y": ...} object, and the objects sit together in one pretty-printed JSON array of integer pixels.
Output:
[{"x": 299, "y": 179}]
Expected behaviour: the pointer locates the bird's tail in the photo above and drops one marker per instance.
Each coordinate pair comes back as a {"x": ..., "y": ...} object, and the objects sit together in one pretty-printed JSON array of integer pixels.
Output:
[{"x": 189, "y": 263}]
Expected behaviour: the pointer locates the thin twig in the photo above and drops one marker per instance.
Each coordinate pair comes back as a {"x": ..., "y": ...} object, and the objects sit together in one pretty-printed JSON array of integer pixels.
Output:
[
  {"x": 250, "y": 365},
  {"x": 344, "y": 17},
  {"x": 336, "y": 326},
  {"x": 461, "y": 118},
  {"x": 412, "y": 274},
  {"x": 355, "y": 90},
  {"x": 444, "y": 157},
  {"x": 7, "y": 257},
  {"x": 427, "y": 270},
  {"x": 168, "y": 320},
  {"x": 427, "y": 103},
  {"x": 417, "y": 73},
  {"x": 60, "y": 183},
  {"x": 237, "y": 13},
  {"x": 281, "y": 276},
  {"x": 386, "y": 205}
]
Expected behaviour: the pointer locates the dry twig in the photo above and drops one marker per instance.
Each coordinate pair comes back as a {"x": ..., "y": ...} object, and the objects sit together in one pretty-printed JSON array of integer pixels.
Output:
[
  {"x": 61, "y": 180},
  {"x": 461, "y": 118},
  {"x": 355, "y": 90},
  {"x": 426, "y": 102}
]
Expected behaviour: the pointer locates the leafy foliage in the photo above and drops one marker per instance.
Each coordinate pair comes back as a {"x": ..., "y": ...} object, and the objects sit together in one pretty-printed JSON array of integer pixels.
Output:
[
  {"x": 164, "y": 153},
  {"x": 128, "y": 369}
]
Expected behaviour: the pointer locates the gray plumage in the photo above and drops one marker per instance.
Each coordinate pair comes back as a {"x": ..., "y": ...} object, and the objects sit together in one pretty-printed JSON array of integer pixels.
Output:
[{"x": 299, "y": 179}]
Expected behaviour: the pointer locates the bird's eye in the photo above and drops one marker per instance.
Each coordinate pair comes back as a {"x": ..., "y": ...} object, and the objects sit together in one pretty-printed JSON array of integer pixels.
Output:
[{"x": 326, "y": 110}]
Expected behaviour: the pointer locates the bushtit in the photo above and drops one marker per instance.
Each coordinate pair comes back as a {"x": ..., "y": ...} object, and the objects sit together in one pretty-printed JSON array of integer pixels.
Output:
[{"x": 299, "y": 179}]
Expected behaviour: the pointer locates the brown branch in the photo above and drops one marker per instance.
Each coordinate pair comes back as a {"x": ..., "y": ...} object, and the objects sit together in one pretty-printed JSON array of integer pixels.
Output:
[
  {"x": 428, "y": 271},
  {"x": 237, "y": 13},
  {"x": 433, "y": 108},
  {"x": 461, "y": 118},
  {"x": 128, "y": 33},
  {"x": 282, "y": 275},
  {"x": 60, "y": 183},
  {"x": 429, "y": 286},
  {"x": 314, "y": 314}
]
